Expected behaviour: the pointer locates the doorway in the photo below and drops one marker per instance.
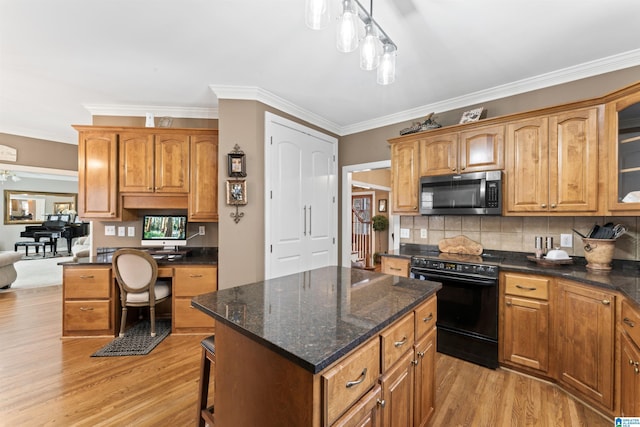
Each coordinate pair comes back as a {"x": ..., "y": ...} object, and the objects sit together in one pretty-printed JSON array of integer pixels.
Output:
[{"x": 348, "y": 182}]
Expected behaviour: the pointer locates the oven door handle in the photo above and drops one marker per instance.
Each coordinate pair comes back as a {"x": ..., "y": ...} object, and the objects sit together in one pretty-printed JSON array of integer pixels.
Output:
[{"x": 481, "y": 281}]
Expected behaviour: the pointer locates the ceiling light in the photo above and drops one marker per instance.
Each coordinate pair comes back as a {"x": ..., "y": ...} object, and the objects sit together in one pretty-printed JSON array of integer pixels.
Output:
[
  {"x": 347, "y": 40},
  {"x": 377, "y": 50},
  {"x": 387, "y": 67},
  {"x": 317, "y": 14},
  {"x": 6, "y": 175}
]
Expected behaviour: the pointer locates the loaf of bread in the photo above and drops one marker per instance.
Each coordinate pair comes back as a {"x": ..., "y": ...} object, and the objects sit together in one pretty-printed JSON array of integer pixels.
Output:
[{"x": 460, "y": 245}]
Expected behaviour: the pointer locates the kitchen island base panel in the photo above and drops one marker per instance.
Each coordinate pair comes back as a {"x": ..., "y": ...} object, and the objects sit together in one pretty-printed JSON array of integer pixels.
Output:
[{"x": 270, "y": 389}]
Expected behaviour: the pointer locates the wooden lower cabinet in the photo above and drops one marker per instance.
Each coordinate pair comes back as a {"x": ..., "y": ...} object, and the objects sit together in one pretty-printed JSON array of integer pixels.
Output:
[
  {"x": 366, "y": 412},
  {"x": 629, "y": 361},
  {"x": 188, "y": 282},
  {"x": 397, "y": 393},
  {"x": 585, "y": 341},
  {"x": 424, "y": 394},
  {"x": 526, "y": 326},
  {"x": 395, "y": 266},
  {"x": 87, "y": 301},
  {"x": 91, "y": 305}
]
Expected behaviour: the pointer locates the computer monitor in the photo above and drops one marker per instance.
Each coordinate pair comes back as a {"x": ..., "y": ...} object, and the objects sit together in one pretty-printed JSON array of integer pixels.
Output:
[{"x": 167, "y": 231}]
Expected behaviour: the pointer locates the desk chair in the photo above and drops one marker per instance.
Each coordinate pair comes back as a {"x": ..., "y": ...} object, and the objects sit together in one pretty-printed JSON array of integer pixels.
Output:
[{"x": 137, "y": 273}]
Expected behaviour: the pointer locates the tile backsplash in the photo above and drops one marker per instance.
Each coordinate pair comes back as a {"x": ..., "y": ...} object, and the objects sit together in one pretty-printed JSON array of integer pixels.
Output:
[{"x": 518, "y": 233}]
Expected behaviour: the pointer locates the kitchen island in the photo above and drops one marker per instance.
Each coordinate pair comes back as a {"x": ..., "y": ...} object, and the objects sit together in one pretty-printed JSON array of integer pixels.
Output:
[{"x": 304, "y": 349}]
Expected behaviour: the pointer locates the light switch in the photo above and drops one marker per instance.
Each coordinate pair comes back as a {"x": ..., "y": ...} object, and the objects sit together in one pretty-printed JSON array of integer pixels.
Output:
[
  {"x": 423, "y": 233},
  {"x": 131, "y": 231},
  {"x": 404, "y": 233},
  {"x": 121, "y": 231},
  {"x": 109, "y": 230}
]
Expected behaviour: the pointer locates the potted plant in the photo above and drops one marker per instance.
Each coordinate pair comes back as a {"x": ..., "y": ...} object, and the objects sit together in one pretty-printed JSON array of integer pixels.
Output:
[{"x": 379, "y": 223}]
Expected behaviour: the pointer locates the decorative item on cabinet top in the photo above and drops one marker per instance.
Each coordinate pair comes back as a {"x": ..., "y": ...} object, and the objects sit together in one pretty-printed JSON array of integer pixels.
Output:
[
  {"x": 429, "y": 123},
  {"x": 472, "y": 115}
]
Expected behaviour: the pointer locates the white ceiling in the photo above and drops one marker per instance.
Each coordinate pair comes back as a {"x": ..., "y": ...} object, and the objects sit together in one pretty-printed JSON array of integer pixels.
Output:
[{"x": 62, "y": 60}]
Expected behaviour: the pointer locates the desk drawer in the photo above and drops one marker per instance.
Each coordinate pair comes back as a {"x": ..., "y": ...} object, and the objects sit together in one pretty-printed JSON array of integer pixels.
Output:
[
  {"x": 527, "y": 286},
  {"x": 87, "y": 315},
  {"x": 191, "y": 281},
  {"x": 347, "y": 381},
  {"x": 185, "y": 316},
  {"x": 87, "y": 282},
  {"x": 631, "y": 322}
]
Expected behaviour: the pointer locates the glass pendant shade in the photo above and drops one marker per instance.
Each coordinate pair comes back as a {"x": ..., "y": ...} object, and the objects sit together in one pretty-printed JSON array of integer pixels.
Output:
[
  {"x": 348, "y": 28},
  {"x": 387, "y": 67},
  {"x": 370, "y": 50},
  {"x": 317, "y": 14}
]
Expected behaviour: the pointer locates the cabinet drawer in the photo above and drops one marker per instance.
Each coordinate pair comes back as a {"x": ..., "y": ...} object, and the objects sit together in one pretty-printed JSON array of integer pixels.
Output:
[
  {"x": 87, "y": 282},
  {"x": 396, "y": 340},
  {"x": 87, "y": 315},
  {"x": 190, "y": 281},
  {"x": 185, "y": 316},
  {"x": 350, "y": 379},
  {"x": 527, "y": 286},
  {"x": 425, "y": 317},
  {"x": 631, "y": 322},
  {"x": 395, "y": 266}
]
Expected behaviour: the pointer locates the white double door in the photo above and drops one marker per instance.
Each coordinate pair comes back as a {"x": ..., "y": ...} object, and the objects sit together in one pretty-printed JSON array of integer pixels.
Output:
[{"x": 301, "y": 209}]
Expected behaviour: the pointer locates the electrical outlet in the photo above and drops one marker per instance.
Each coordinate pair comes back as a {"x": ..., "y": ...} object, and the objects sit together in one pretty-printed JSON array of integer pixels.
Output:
[
  {"x": 404, "y": 233},
  {"x": 109, "y": 230},
  {"x": 201, "y": 230},
  {"x": 423, "y": 233},
  {"x": 121, "y": 231},
  {"x": 566, "y": 240},
  {"x": 131, "y": 231}
]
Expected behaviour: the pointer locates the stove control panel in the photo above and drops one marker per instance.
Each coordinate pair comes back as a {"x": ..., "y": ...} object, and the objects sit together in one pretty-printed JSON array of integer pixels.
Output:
[{"x": 455, "y": 266}]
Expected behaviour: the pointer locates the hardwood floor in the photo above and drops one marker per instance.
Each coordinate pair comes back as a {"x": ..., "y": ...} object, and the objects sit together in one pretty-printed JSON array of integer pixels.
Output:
[{"x": 45, "y": 380}]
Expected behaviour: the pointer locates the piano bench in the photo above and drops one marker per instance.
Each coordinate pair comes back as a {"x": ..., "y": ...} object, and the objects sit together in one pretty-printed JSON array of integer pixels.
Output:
[{"x": 36, "y": 245}]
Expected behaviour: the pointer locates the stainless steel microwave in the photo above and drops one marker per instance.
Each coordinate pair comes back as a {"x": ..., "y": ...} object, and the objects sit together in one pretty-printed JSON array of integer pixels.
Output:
[{"x": 477, "y": 193}]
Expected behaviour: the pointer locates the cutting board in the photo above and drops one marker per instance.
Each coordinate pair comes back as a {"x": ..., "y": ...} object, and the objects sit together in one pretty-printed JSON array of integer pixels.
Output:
[{"x": 460, "y": 245}]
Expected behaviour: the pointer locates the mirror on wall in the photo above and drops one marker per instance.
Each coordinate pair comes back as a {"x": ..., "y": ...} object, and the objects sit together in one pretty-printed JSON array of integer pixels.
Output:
[{"x": 32, "y": 207}]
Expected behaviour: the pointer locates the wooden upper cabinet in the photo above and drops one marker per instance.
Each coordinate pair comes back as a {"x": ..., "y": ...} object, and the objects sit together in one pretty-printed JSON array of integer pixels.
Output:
[
  {"x": 172, "y": 163},
  {"x": 154, "y": 163},
  {"x": 475, "y": 150},
  {"x": 136, "y": 162},
  {"x": 552, "y": 163},
  {"x": 97, "y": 174},
  {"x": 527, "y": 165},
  {"x": 623, "y": 133},
  {"x": 573, "y": 161},
  {"x": 481, "y": 149},
  {"x": 439, "y": 155},
  {"x": 203, "y": 197},
  {"x": 404, "y": 176}
]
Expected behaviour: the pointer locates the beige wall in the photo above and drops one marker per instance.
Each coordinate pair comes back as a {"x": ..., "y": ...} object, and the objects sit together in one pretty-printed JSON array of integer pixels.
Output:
[{"x": 41, "y": 153}]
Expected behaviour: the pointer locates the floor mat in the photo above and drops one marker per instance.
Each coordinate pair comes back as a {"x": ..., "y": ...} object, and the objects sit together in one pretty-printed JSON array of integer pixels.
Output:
[{"x": 137, "y": 341}]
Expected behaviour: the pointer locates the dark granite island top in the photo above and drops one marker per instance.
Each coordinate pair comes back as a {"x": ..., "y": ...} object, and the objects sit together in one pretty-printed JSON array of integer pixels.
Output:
[{"x": 316, "y": 317}]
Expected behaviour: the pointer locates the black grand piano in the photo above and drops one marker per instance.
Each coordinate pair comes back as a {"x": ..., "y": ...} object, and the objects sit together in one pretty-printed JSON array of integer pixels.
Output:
[{"x": 55, "y": 227}]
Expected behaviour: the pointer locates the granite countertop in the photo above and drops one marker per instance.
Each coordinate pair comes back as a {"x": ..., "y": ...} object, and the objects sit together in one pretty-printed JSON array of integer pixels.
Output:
[
  {"x": 200, "y": 256},
  {"x": 624, "y": 276},
  {"x": 315, "y": 317}
]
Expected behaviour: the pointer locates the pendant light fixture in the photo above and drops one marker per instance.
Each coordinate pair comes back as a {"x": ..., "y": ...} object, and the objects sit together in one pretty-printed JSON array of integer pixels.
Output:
[
  {"x": 377, "y": 50},
  {"x": 347, "y": 35},
  {"x": 317, "y": 14}
]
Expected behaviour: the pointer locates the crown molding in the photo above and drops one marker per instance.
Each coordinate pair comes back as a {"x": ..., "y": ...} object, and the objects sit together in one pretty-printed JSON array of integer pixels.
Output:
[
  {"x": 157, "y": 110},
  {"x": 257, "y": 94},
  {"x": 565, "y": 75}
]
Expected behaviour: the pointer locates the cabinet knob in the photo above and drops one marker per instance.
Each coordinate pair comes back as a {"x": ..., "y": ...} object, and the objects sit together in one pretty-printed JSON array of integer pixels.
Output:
[
  {"x": 463, "y": 168},
  {"x": 553, "y": 205},
  {"x": 421, "y": 354},
  {"x": 414, "y": 362},
  {"x": 544, "y": 205},
  {"x": 508, "y": 303},
  {"x": 381, "y": 403},
  {"x": 606, "y": 302}
]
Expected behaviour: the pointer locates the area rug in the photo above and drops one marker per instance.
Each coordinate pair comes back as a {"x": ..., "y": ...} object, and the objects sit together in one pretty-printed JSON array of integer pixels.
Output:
[{"x": 137, "y": 341}]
